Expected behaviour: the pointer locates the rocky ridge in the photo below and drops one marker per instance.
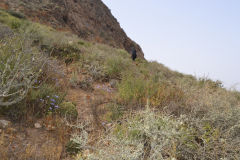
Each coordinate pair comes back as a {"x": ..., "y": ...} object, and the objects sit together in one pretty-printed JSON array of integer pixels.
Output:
[{"x": 89, "y": 19}]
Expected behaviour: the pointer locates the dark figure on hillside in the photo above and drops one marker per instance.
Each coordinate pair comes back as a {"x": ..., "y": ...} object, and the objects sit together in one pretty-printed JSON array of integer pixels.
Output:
[{"x": 134, "y": 54}]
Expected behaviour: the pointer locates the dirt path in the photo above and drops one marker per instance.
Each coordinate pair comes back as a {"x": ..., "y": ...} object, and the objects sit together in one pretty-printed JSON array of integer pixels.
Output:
[{"x": 89, "y": 104}]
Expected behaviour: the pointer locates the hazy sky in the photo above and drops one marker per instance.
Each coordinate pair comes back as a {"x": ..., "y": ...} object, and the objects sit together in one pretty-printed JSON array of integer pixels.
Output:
[{"x": 198, "y": 37}]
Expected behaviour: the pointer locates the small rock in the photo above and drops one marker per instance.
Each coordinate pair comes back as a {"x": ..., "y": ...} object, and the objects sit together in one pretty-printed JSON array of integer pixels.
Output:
[
  {"x": 4, "y": 124},
  {"x": 37, "y": 125},
  {"x": 50, "y": 128}
]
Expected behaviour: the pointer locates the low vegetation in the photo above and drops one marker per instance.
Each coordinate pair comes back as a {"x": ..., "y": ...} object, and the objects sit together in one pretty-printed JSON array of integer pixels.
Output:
[
  {"x": 19, "y": 69},
  {"x": 155, "y": 113}
]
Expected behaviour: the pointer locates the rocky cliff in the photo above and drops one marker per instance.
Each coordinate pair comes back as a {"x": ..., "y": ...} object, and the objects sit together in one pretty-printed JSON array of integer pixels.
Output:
[{"x": 89, "y": 19}]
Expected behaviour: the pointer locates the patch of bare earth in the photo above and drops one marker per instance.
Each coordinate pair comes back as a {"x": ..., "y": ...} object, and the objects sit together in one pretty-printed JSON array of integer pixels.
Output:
[
  {"x": 90, "y": 104},
  {"x": 30, "y": 143}
]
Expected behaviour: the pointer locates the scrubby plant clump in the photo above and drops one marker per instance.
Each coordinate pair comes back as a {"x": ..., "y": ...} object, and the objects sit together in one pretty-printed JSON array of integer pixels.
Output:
[
  {"x": 45, "y": 98},
  {"x": 5, "y": 31},
  {"x": 68, "y": 110},
  {"x": 166, "y": 94},
  {"x": 132, "y": 89},
  {"x": 17, "y": 14},
  {"x": 114, "y": 67},
  {"x": 146, "y": 135},
  {"x": 77, "y": 142},
  {"x": 20, "y": 66},
  {"x": 150, "y": 135}
]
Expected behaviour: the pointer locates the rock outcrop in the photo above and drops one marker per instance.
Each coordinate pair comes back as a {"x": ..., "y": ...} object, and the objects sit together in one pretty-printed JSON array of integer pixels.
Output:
[{"x": 89, "y": 19}]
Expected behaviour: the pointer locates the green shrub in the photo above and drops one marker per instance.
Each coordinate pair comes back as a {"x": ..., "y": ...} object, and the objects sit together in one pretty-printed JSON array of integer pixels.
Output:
[
  {"x": 86, "y": 84},
  {"x": 210, "y": 83},
  {"x": 115, "y": 112},
  {"x": 44, "y": 36},
  {"x": 124, "y": 54},
  {"x": 74, "y": 79},
  {"x": 66, "y": 51},
  {"x": 84, "y": 43},
  {"x": 62, "y": 45},
  {"x": 38, "y": 33},
  {"x": 68, "y": 110},
  {"x": 17, "y": 14},
  {"x": 96, "y": 71},
  {"x": 41, "y": 100},
  {"x": 114, "y": 66},
  {"x": 77, "y": 142},
  {"x": 13, "y": 22},
  {"x": 132, "y": 90},
  {"x": 45, "y": 99}
]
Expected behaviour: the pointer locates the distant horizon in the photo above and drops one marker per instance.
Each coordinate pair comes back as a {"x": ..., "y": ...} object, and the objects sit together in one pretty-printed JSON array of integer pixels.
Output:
[{"x": 191, "y": 37}]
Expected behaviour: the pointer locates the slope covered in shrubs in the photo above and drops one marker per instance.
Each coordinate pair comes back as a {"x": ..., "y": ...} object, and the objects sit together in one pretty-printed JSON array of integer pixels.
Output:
[{"x": 152, "y": 113}]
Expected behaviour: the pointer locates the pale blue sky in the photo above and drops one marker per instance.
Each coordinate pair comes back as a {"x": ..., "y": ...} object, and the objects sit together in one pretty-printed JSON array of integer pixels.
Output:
[{"x": 198, "y": 37}]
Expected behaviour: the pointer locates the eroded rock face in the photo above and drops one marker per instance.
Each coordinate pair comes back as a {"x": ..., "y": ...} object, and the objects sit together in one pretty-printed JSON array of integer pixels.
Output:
[{"x": 90, "y": 19}]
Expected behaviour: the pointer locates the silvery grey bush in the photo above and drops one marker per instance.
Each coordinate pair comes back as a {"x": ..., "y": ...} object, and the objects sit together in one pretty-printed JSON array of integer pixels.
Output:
[
  {"x": 149, "y": 135},
  {"x": 146, "y": 135},
  {"x": 20, "y": 65}
]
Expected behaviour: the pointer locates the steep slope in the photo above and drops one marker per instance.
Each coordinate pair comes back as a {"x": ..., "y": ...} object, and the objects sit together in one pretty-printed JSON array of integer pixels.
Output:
[
  {"x": 89, "y": 99},
  {"x": 89, "y": 19}
]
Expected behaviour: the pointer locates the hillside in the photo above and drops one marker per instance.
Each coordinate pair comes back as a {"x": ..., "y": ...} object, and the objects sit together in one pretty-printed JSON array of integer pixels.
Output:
[
  {"x": 65, "y": 98},
  {"x": 89, "y": 19}
]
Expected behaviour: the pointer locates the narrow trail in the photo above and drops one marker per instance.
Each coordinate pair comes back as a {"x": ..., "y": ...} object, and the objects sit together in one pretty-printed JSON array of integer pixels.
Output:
[{"x": 90, "y": 103}]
